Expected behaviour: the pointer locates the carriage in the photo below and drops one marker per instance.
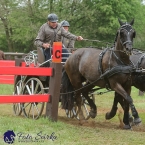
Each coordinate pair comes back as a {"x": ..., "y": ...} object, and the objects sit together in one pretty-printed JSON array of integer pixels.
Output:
[{"x": 39, "y": 85}]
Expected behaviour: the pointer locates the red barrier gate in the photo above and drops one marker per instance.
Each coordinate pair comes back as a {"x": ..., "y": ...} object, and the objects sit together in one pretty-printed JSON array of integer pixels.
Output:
[
  {"x": 24, "y": 98},
  {"x": 8, "y": 68},
  {"x": 7, "y": 79},
  {"x": 52, "y": 99},
  {"x": 15, "y": 70}
]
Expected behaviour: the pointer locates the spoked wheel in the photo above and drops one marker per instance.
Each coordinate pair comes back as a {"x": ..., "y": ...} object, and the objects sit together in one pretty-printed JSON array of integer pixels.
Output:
[
  {"x": 33, "y": 110},
  {"x": 70, "y": 113},
  {"x": 85, "y": 109},
  {"x": 17, "y": 91}
]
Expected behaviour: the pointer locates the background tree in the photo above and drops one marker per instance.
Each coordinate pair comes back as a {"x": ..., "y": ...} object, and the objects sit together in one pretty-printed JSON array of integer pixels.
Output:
[
  {"x": 5, "y": 10},
  {"x": 20, "y": 20}
]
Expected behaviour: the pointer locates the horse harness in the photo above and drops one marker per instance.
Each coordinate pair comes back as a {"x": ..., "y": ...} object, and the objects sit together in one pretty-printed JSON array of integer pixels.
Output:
[
  {"x": 122, "y": 68},
  {"x": 139, "y": 76}
]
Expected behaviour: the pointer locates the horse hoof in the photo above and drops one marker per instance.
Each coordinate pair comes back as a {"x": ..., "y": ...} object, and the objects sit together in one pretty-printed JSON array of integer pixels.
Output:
[
  {"x": 107, "y": 116},
  {"x": 137, "y": 121},
  {"x": 93, "y": 114},
  {"x": 127, "y": 127}
]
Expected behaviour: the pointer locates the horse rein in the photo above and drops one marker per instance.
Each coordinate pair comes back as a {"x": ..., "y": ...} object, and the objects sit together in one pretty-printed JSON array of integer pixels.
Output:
[{"x": 97, "y": 41}]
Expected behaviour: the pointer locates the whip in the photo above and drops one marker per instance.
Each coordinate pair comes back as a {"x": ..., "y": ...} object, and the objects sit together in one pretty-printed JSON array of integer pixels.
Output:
[{"x": 96, "y": 41}]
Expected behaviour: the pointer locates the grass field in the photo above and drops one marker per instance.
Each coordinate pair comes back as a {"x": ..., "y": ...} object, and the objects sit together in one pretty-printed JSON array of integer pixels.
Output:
[{"x": 67, "y": 131}]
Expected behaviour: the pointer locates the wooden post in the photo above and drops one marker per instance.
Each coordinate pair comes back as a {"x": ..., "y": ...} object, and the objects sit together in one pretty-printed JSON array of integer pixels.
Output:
[
  {"x": 54, "y": 91},
  {"x": 55, "y": 82}
]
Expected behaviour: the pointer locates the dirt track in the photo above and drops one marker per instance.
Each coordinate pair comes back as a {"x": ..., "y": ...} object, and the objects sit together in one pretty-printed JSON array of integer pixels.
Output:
[{"x": 97, "y": 123}]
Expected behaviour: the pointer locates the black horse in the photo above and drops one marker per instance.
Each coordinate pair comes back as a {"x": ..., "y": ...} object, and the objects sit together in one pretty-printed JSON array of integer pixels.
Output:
[
  {"x": 138, "y": 81},
  {"x": 109, "y": 68}
]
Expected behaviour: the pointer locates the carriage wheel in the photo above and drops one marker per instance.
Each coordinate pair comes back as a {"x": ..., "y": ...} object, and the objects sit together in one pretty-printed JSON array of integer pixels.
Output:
[
  {"x": 85, "y": 108},
  {"x": 17, "y": 106},
  {"x": 33, "y": 110},
  {"x": 70, "y": 113}
]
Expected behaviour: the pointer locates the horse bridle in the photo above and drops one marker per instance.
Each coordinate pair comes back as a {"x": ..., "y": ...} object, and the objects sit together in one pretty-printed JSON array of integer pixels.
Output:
[{"x": 124, "y": 27}]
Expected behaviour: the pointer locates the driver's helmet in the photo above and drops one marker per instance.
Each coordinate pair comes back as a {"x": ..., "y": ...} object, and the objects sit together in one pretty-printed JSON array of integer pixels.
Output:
[
  {"x": 65, "y": 23},
  {"x": 52, "y": 17}
]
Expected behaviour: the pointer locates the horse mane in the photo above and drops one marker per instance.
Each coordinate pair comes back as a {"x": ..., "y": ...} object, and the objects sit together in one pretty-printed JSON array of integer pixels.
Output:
[{"x": 115, "y": 38}]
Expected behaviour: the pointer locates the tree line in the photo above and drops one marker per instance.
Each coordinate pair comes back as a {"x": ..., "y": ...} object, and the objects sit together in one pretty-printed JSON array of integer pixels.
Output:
[{"x": 93, "y": 19}]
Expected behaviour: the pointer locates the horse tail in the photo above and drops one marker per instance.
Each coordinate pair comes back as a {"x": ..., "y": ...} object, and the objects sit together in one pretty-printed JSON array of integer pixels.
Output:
[{"x": 67, "y": 99}]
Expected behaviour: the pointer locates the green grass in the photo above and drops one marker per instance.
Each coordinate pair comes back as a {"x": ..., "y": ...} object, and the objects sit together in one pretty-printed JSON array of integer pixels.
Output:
[{"x": 96, "y": 131}]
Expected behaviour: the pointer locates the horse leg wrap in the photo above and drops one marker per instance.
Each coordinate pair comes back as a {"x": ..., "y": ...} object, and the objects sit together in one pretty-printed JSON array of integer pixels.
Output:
[
  {"x": 134, "y": 112},
  {"x": 129, "y": 99},
  {"x": 126, "y": 118}
]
